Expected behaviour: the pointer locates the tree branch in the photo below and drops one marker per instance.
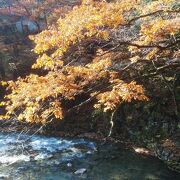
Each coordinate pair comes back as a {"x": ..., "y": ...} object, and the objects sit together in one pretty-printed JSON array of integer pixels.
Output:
[{"x": 150, "y": 14}]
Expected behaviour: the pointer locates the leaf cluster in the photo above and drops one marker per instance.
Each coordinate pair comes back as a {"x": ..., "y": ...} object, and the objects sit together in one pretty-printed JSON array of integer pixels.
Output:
[{"x": 72, "y": 70}]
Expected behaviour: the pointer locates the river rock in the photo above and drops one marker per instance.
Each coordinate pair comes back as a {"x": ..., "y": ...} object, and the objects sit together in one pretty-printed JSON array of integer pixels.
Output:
[
  {"x": 89, "y": 152},
  {"x": 43, "y": 156},
  {"x": 4, "y": 176},
  {"x": 169, "y": 152},
  {"x": 69, "y": 165},
  {"x": 56, "y": 162},
  {"x": 80, "y": 171}
]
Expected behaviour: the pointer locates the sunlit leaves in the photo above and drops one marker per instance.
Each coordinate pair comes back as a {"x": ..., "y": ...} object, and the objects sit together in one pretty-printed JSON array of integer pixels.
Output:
[
  {"x": 42, "y": 98},
  {"x": 98, "y": 17},
  {"x": 157, "y": 5},
  {"x": 158, "y": 30},
  {"x": 122, "y": 92}
]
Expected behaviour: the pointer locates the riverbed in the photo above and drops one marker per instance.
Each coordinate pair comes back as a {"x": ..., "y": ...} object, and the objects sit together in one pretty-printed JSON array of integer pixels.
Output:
[{"x": 36, "y": 157}]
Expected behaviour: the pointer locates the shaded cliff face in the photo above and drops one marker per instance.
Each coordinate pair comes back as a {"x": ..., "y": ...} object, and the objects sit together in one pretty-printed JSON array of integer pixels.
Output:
[
  {"x": 14, "y": 25},
  {"x": 16, "y": 60},
  {"x": 16, "y": 56}
]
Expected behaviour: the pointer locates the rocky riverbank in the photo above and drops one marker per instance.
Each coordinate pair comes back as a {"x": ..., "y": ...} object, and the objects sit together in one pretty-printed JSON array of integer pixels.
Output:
[
  {"x": 25, "y": 156},
  {"x": 166, "y": 150}
]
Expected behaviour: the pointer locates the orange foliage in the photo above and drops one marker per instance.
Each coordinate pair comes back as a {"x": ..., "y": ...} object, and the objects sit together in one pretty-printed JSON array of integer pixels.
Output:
[{"x": 62, "y": 47}]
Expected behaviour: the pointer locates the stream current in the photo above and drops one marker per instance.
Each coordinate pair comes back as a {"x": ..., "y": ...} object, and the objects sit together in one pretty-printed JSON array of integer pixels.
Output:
[{"x": 25, "y": 157}]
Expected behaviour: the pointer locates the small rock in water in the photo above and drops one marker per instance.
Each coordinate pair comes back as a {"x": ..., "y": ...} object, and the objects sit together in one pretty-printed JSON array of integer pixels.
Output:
[
  {"x": 69, "y": 165},
  {"x": 89, "y": 152},
  {"x": 141, "y": 151},
  {"x": 43, "y": 156},
  {"x": 56, "y": 162},
  {"x": 21, "y": 168},
  {"x": 80, "y": 171},
  {"x": 4, "y": 176}
]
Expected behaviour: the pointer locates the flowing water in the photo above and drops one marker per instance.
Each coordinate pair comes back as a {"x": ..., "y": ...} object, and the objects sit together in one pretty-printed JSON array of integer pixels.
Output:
[{"x": 24, "y": 157}]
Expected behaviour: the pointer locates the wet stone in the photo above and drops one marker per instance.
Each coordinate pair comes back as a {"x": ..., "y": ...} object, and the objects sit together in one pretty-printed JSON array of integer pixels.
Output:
[
  {"x": 80, "y": 171},
  {"x": 4, "y": 176},
  {"x": 69, "y": 165}
]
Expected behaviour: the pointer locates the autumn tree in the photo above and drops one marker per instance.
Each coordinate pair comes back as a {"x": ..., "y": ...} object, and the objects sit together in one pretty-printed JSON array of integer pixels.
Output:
[{"x": 83, "y": 55}]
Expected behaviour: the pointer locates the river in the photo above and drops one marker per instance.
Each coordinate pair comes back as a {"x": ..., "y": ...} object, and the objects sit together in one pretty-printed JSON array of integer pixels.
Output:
[{"x": 25, "y": 157}]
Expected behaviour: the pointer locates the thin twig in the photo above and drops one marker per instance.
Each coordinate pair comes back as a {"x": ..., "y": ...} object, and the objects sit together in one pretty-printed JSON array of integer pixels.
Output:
[{"x": 112, "y": 123}]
